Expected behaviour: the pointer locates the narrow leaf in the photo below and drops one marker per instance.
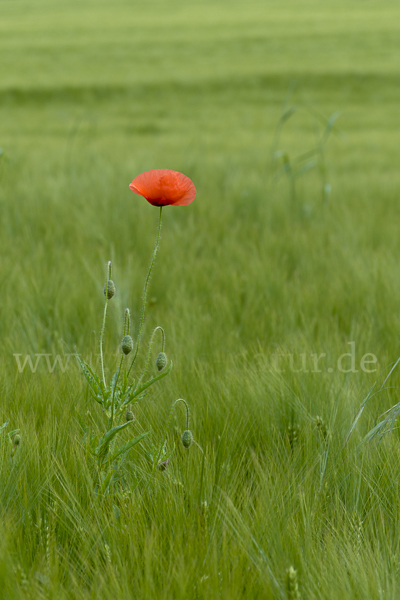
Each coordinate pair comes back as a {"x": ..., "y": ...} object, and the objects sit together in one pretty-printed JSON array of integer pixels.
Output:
[
  {"x": 90, "y": 377},
  {"x": 114, "y": 380},
  {"x": 146, "y": 385},
  {"x": 106, "y": 482},
  {"x": 102, "y": 448},
  {"x": 128, "y": 445}
]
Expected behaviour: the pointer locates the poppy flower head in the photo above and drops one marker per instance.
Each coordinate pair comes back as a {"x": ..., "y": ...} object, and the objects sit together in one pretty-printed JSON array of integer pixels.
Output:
[{"x": 163, "y": 187}]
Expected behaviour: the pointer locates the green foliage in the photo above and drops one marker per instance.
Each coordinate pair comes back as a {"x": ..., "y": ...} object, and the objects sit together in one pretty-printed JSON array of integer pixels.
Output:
[
  {"x": 93, "y": 93},
  {"x": 313, "y": 158},
  {"x": 123, "y": 391}
]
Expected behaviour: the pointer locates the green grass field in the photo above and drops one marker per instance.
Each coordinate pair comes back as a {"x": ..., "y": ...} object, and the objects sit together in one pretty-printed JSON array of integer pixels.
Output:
[{"x": 91, "y": 95}]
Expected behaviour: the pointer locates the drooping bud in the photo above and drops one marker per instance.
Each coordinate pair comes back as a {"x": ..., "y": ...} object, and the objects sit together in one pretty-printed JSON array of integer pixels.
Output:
[
  {"x": 187, "y": 438},
  {"x": 127, "y": 344},
  {"x": 109, "y": 289},
  {"x": 129, "y": 416},
  {"x": 161, "y": 361},
  {"x": 17, "y": 440}
]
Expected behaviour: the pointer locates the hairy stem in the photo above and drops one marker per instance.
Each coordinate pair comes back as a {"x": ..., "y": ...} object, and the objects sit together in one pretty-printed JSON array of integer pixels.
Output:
[
  {"x": 104, "y": 323},
  {"x": 101, "y": 342},
  {"x": 155, "y": 462},
  {"x": 113, "y": 394},
  {"x": 146, "y": 285},
  {"x": 158, "y": 328}
]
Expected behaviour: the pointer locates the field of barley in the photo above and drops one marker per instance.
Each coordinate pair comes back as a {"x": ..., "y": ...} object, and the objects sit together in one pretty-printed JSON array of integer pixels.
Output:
[{"x": 278, "y": 290}]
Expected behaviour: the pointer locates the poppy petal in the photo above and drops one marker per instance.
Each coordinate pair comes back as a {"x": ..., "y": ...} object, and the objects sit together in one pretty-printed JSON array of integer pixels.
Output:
[{"x": 164, "y": 187}]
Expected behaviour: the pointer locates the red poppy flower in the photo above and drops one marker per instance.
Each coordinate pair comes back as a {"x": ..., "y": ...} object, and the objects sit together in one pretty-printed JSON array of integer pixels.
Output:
[{"x": 163, "y": 187}]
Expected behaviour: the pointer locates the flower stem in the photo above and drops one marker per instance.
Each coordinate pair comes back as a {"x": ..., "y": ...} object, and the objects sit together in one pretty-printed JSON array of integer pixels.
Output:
[
  {"x": 113, "y": 394},
  {"x": 104, "y": 323},
  {"x": 155, "y": 462},
  {"x": 101, "y": 342},
  {"x": 146, "y": 366},
  {"x": 146, "y": 285}
]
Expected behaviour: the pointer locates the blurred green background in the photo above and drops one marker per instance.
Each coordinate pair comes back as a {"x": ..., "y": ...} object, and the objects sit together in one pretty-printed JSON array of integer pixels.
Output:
[{"x": 94, "y": 93}]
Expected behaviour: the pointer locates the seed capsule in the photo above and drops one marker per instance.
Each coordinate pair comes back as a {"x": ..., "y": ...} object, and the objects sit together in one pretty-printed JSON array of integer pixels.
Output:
[
  {"x": 161, "y": 361},
  {"x": 187, "y": 438},
  {"x": 127, "y": 344},
  {"x": 129, "y": 416},
  {"x": 109, "y": 289}
]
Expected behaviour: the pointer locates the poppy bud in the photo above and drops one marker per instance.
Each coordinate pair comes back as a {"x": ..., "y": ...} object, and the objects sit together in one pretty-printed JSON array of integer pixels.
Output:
[
  {"x": 129, "y": 416},
  {"x": 109, "y": 289},
  {"x": 17, "y": 440},
  {"x": 187, "y": 438},
  {"x": 127, "y": 344},
  {"x": 161, "y": 361}
]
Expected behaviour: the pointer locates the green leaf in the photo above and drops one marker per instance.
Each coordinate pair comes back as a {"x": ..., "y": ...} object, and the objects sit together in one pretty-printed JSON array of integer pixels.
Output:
[
  {"x": 125, "y": 380},
  {"x": 81, "y": 422},
  {"x": 106, "y": 483},
  {"x": 370, "y": 395},
  {"x": 128, "y": 395},
  {"x": 329, "y": 127},
  {"x": 102, "y": 448},
  {"x": 107, "y": 398},
  {"x": 91, "y": 378},
  {"x": 307, "y": 167},
  {"x": 146, "y": 385},
  {"x": 94, "y": 443},
  {"x": 288, "y": 113},
  {"x": 128, "y": 445},
  {"x": 114, "y": 380},
  {"x": 98, "y": 379}
]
